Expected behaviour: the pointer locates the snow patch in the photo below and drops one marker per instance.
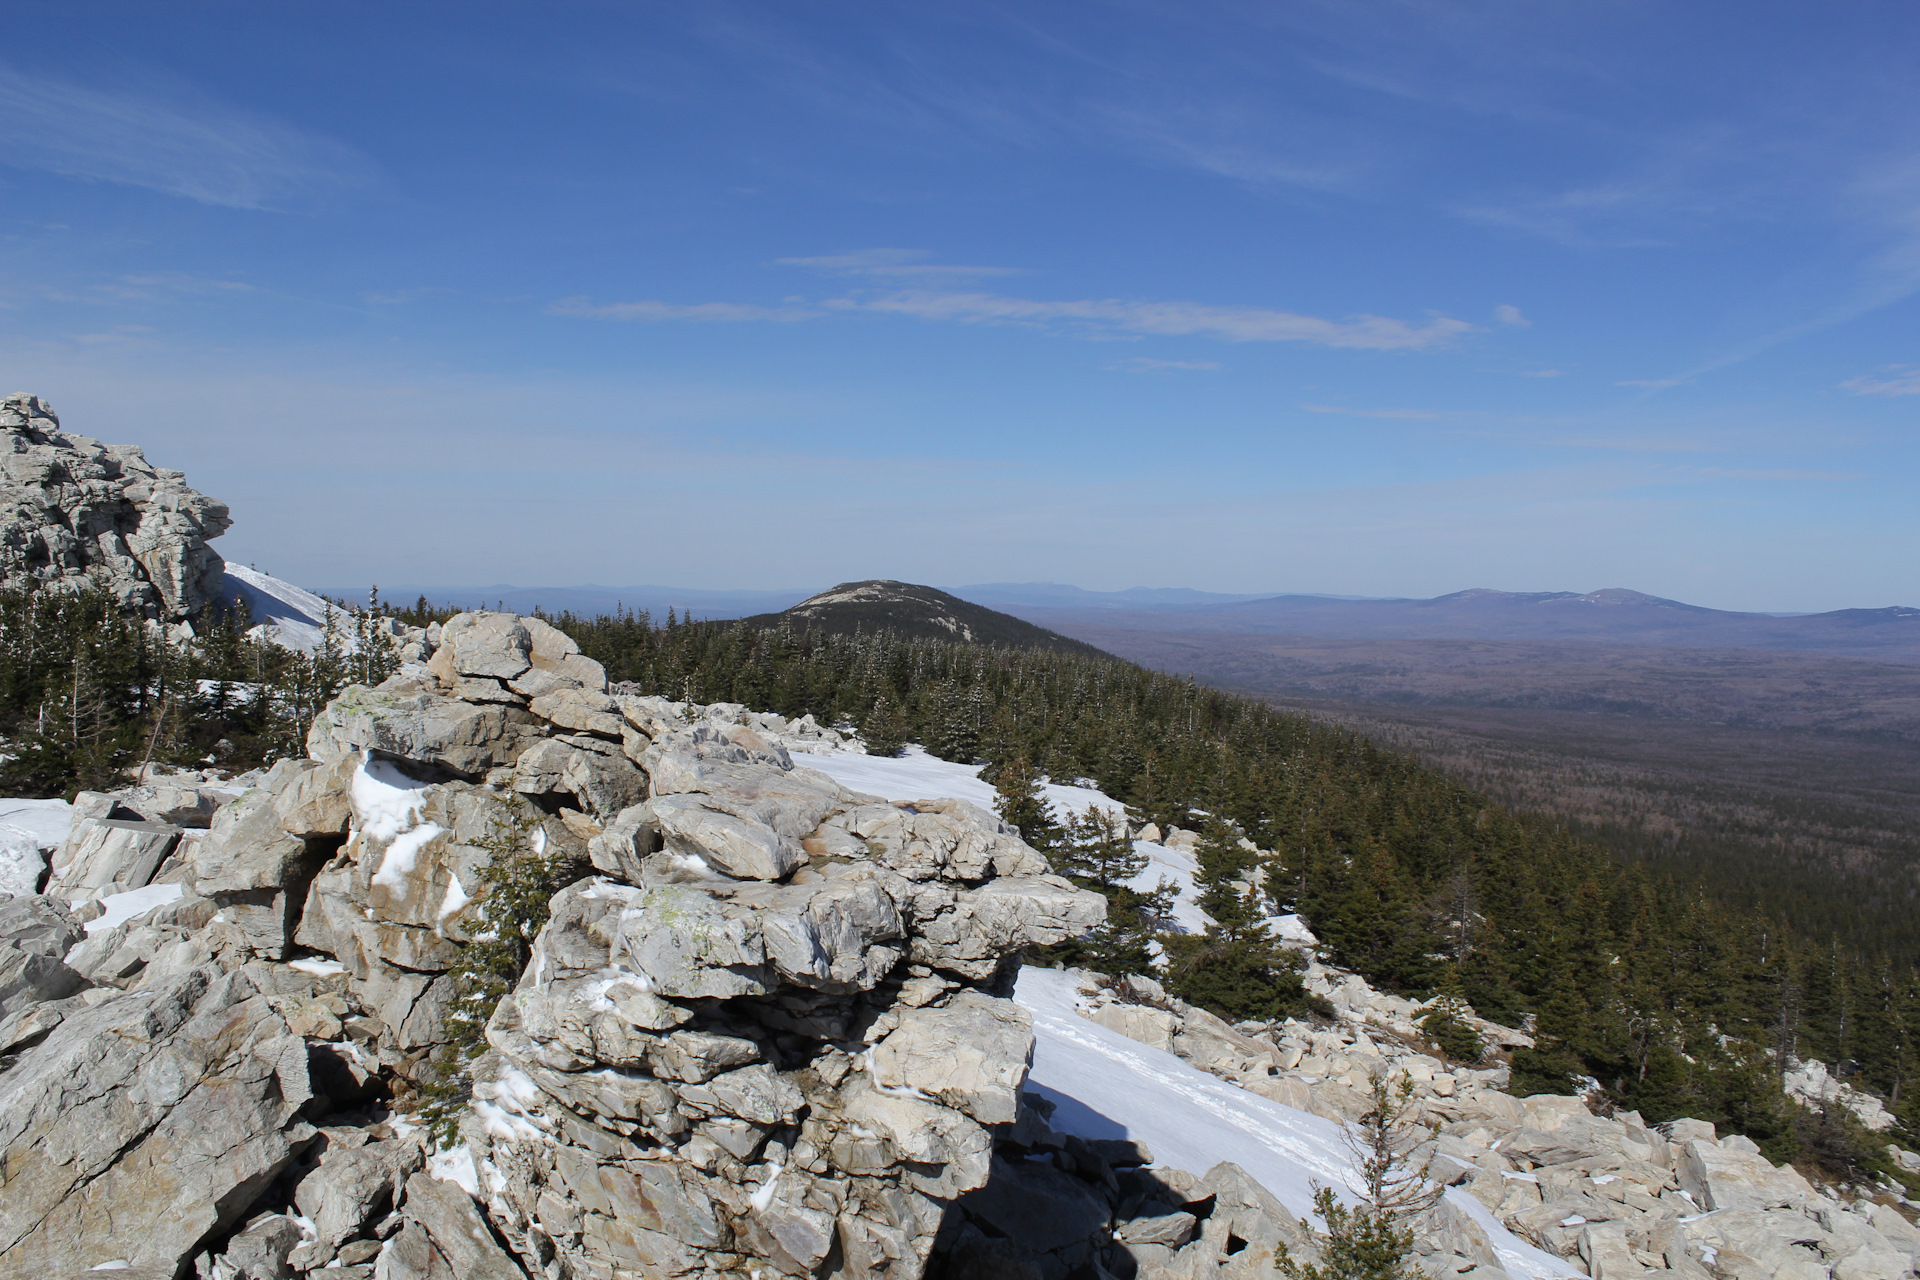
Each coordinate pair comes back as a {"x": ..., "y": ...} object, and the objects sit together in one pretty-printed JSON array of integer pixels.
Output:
[
  {"x": 385, "y": 800},
  {"x": 456, "y": 1166},
  {"x": 122, "y": 907},
  {"x": 456, "y": 898},
  {"x": 763, "y": 1194},
  {"x": 317, "y": 967},
  {"x": 397, "y": 865},
  {"x": 29, "y": 831}
]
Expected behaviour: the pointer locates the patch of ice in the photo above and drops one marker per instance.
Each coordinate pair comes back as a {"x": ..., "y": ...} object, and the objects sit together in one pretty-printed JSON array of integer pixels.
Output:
[
  {"x": 397, "y": 865},
  {"x": 122, "y": 907},
  {"x": 456, "y": 1166},
  {"x": 118, "y": 1264},
  {"x": 317, "y": 967},
  {"x": 385, "y": 800}
]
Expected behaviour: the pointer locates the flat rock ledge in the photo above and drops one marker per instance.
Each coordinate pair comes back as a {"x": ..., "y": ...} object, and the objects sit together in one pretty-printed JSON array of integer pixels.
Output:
[{"x": 767, "y": 1029}]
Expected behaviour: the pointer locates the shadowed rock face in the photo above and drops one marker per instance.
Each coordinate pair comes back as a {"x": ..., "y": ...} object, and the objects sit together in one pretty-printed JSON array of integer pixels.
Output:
[
  {"x": 73, "y": 511},
  {"x": 768, "y": 1028}
]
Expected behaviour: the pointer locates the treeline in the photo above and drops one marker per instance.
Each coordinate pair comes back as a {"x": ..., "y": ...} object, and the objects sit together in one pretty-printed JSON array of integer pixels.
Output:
[
  {"x": 88, "y": 694},
  {"x": 1654, "y": 988}
]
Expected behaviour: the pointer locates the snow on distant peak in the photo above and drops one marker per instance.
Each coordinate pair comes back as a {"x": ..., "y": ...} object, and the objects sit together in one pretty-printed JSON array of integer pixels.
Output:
[{"x": 289, "y": 616}]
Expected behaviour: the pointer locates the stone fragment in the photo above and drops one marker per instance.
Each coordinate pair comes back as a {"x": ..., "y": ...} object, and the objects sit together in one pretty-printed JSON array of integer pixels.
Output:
[
  {"x": 1721, "y": 1178},
  {"x": 585, "y": 709},
  {"x": 699, "y": 828}
]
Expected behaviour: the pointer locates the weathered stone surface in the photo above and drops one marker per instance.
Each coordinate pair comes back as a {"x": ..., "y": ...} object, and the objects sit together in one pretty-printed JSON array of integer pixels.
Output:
[
  {"x": 247, "y": 848},
  {"x": 39, "y": 923},
  {"x": 102, "y": 856},
  {"x": 487, "y": 644},
  {"x": 312, "y": 799},
  {"x": 985, "y": 924},
  {"x": 75, "y": 511},
  {"x": 1720, "y": 1177},
  {"x": 405, "y": 720},
  {"x": 445, "y": 1237},
  {"x": 28, "y": 978},
  {"x": 585, "y": 709},
  {"x": 144, "y": 1123},
  {"x": 699, "y": 827},
  {"x": 971, "y": 1053},
  {"x": 603, "y": 783}
]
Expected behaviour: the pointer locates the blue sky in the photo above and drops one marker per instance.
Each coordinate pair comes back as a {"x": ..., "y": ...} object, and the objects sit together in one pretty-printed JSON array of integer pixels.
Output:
[{"x": 1372, "y": 299}]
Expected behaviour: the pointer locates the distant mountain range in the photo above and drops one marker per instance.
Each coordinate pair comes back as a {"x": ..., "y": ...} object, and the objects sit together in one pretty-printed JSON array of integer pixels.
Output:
[{"x": 1615, "y": 616}]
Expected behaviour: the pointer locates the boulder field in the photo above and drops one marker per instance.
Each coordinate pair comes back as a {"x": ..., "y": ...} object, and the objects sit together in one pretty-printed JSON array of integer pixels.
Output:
[{"x": 765, "y": 1029}]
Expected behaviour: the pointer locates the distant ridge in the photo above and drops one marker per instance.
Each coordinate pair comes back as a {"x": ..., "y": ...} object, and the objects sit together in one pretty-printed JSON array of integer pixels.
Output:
[
  {"x": 925, "y": 613},
  {"x": 1613, "y": 616}
]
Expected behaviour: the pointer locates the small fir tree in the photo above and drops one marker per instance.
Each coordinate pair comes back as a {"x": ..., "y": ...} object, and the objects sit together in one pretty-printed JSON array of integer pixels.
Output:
[
  {"x": 1019, "y": 801},
  {"x": 1373, "y": 1239},
  {"x": 1445, "y": 1021}
]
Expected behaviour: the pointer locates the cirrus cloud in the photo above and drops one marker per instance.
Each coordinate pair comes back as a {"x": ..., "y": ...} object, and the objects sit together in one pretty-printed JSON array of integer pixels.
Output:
[
  {"x": 1165, "y": 319},
  {"x": 659, "y": 312},
  {"x": 1900, "y": 380}
]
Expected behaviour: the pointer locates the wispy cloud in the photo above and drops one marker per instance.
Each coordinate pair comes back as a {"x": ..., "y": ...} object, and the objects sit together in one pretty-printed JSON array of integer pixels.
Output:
[
  {"x": 1167, "y": 319},
  {"x": 1148, "y": 364},
  {"x": 1752, "y": 473},
  {"x": 1345, "y": 412},
  {"x": 1094, "y": 318},
  {"x": 169, "y": 138},
  {"x": 1543, "y": 373},
  {"x": 894, "y": 264},
  {"x": 153, "y": 287},
  {"x": 1508, "y": 314},
  {"x": 1657, "y": 384},
  {"x": 1900, "y": 380},
  {"x": 699, "y": 312}
]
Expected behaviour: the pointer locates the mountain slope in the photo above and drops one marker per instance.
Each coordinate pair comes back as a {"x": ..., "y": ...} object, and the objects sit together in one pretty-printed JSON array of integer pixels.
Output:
[{"x": 923, "y": 613}]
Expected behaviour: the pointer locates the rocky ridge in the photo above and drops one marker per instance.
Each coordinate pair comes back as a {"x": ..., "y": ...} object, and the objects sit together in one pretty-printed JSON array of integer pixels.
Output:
[
  {"x": 766, "y": 1026},
  {"x": 1611, "y": 1194},
  {"x": 74, "y": 511}
]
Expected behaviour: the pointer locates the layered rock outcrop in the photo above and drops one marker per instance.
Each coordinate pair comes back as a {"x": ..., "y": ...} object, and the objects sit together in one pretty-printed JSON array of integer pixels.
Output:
[
  {"x": 73, "y": 511},
  {"x": 766, "y": 1025}
]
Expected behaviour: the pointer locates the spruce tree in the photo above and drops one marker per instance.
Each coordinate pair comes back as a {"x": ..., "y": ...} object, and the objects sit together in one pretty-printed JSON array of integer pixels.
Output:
[
  {"x": 1096, "y": 854},
  {"x": 1019, "y": 801},
  {"x": 1445, "y": 1021}
]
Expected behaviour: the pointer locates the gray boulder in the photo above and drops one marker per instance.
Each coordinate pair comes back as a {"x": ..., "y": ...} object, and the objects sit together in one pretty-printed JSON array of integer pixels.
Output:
[{"x": 103, "y": 856}]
